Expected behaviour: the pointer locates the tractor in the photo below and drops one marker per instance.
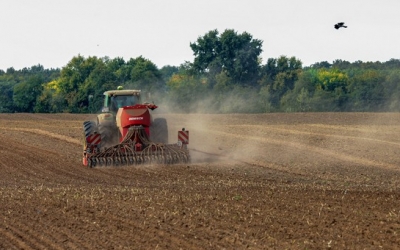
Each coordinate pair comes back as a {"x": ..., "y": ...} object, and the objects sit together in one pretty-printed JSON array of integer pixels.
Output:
[{"x": 125, "y": 133}]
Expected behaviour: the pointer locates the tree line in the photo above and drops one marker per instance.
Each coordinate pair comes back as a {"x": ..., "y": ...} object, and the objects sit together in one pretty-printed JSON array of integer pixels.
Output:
[{"x": 226, "y": 76}]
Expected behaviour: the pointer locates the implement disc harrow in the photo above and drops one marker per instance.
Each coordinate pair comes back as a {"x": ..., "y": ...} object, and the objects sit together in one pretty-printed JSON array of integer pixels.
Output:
[{"x": 136, "y": 149}]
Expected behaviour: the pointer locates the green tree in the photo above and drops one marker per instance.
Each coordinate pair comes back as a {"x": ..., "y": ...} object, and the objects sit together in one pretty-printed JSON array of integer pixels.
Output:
[
  {"x": 236, "y": 54},
  {"x": 329, "y": 80},
  {"x": 26, "y": 93},
  {"x": 50, "y": 100},
  {"x": 367, "y": 91},
  {"x": 100, "y": 79},
  {"x": 83, "y": 77},
  {"x": 6, "y": 96},
  {"x": 341, "y": 64},
  {"x": 118, "y": 68},
  {"x": 279, "y": 77},
  {"x": 144, "y": 75},
  {"x": 392, "y": 90},
  {"x": 72, "y": 77},
  {"x": 167, "y": 71},
  {"x": 320, "y": 65},
  {"x": 300, "y": 98}
]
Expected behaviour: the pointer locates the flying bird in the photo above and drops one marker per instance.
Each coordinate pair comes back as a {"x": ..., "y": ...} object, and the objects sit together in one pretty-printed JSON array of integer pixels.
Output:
[{"x": 340, "y": 25}]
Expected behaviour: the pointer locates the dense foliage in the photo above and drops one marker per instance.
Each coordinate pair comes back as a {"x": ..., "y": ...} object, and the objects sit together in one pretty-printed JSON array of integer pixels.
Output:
[{"x": 226, "y": 76}]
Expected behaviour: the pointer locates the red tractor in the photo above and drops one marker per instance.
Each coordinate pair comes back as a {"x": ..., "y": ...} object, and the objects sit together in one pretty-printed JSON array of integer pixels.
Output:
[{"x": 126, "y": 134}]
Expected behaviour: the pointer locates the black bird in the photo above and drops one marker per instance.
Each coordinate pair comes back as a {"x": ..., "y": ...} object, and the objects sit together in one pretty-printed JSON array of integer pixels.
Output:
[{"x": 340, "y": 25}]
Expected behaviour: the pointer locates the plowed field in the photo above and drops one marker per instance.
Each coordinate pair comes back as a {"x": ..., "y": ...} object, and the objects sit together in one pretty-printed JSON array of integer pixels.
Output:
[{"x": 270, "y": 181}]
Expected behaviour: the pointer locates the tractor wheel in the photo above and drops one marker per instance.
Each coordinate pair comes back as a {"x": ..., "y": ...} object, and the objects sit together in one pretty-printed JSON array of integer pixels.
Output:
[
  {"x": 159, "y": 131},
  {"x": 89, "y": 127}
]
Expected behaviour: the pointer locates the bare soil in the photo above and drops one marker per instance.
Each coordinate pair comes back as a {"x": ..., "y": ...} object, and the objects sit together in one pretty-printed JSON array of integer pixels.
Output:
[{"x": 270, "y": 181}]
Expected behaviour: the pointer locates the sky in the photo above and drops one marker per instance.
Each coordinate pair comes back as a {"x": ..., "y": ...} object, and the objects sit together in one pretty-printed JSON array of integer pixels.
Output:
[{"x": 52, "y": 32}]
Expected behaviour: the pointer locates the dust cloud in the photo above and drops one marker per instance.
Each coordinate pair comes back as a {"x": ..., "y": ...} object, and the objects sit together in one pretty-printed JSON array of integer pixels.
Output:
[
  {"x": 287, "y": 139},
  {"x": 214, "y": 137}
]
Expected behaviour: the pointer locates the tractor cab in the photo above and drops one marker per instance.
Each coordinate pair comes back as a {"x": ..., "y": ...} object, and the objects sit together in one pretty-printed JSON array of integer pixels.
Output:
[
  {"x": 115, "y": 99},
  {"x": 114, "y": 102}
]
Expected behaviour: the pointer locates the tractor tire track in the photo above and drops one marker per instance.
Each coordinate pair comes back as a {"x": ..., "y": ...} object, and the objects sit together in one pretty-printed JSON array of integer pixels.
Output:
[
  {"x": 268, "y": 128},
  {"x": 66, "y": 236},
  {"x": 45, "y": 133},
  {"x": 25, "y": 238},
  {"x": 10, "y": 240},
  {"x": 297, "y": 132},
  {"x": 305, "y": 147},
  {"x": 38, "y": 164}
]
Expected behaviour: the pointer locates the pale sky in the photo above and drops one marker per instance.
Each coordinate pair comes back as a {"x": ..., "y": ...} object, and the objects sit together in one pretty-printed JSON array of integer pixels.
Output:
[{"x": 52, "y": 32}]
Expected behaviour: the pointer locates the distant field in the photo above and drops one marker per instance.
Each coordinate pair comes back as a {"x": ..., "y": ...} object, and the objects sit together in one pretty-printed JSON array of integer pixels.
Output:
[{"x": 283, "y": 181}]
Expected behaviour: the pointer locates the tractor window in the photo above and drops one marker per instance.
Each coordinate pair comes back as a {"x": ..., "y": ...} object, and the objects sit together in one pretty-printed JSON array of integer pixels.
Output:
[
  {"x": 131, "y": 100},
  {"x": 120, "y": 101}
]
